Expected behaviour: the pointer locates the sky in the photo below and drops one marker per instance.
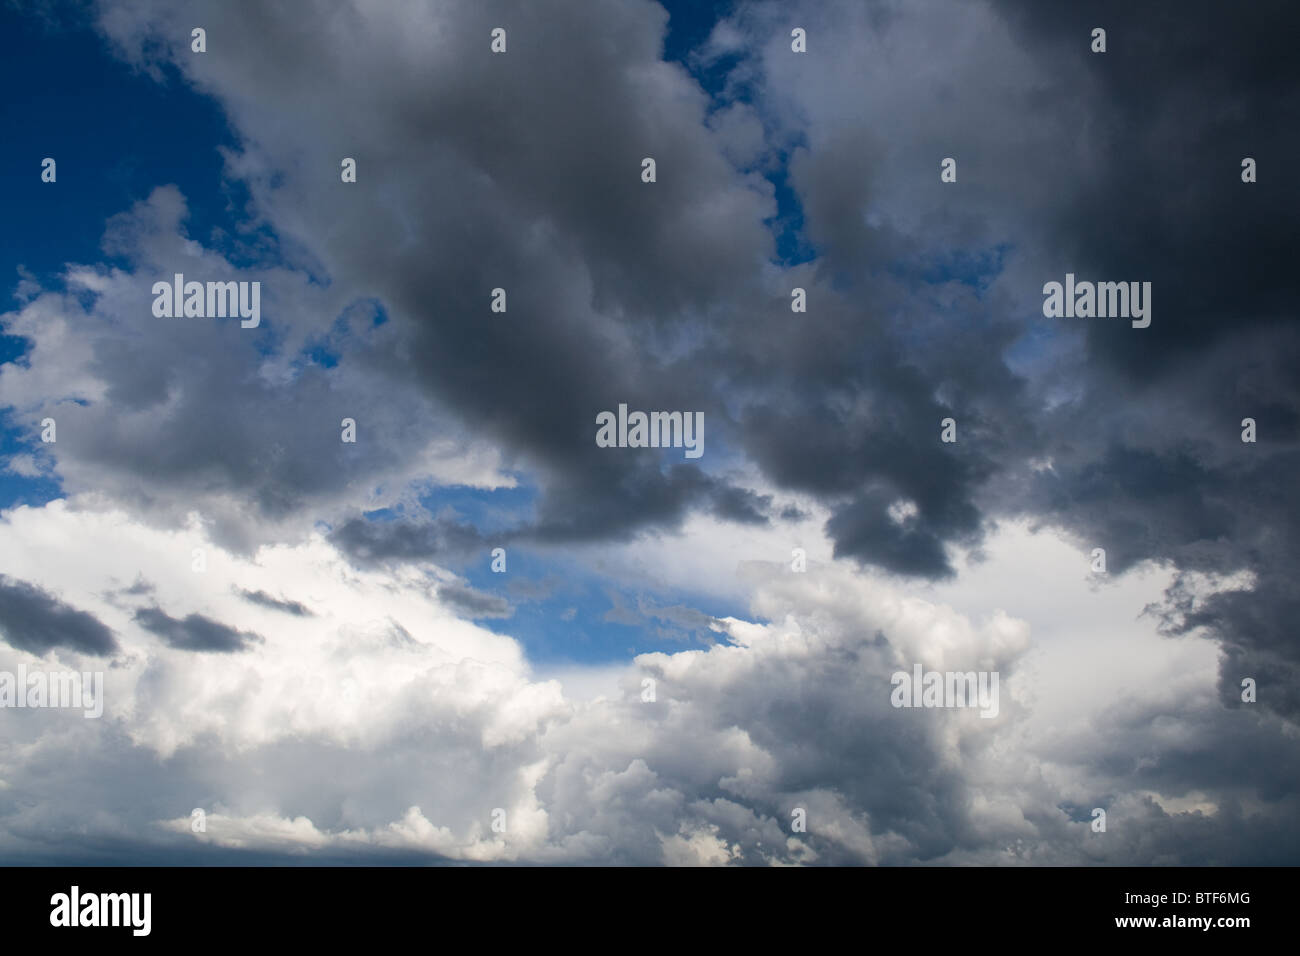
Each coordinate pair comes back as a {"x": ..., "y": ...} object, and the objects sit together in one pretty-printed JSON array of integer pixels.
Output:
[{"x": 475, "y": 635}]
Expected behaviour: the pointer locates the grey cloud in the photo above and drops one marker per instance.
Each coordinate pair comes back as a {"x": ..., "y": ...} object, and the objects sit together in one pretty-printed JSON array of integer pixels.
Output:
[
  {"x": 195, "y": 632},
  {"x": 191, "y": 439},
  {"x": 441, "y": 539},
  {"x": 507, "y": 164},
  {"x": 473, "y": 603},
  {"x": 1123, "y": 165},
  {"x": 32, "y": 619},
  {"x": 691, "y": 623},
  {"x": 296, "y": 608},
  {"x": 524, "y": 589}
]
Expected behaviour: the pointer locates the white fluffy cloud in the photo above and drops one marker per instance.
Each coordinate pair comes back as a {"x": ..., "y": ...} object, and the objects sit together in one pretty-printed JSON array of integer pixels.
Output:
[{"x": 370, "y": 720}]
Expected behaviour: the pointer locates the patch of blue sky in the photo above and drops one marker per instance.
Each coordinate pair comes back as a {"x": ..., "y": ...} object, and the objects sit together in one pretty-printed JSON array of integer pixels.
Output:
[
  {"x": 491, "y": 511},
  {"x": 565, "y": 610},
  {"x": 689, "y": 24},
  {"x": 17, "y": 488},
  {"x": 567, "y": 613},
  {"x": 100, "y": 121}
]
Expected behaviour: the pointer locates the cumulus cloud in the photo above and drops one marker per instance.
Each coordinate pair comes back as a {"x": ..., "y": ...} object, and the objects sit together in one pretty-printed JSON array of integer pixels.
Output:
[{"x": 384, "y": 725}]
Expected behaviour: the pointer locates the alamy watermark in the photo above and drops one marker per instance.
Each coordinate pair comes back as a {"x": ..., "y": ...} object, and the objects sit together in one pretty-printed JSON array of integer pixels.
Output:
[
  {"x": 211, "y": 300},
  {"x": 923, "y": 688},
  {"x": 1121, "y": 300},
  {"x": 70, "y": 689},
  {"x": 74, "y": 908},
  {"x": 651, "y": 430}
]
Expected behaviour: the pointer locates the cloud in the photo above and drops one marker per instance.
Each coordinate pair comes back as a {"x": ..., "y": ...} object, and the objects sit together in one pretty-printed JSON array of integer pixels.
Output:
[
  {"x": 383, "y": 725},
  {"x": 195, "y": 632},
  {"x": 160, "y": 415},
  {"x": 441, "y": 539},
  {"x": 1116, "y": 166},
  {"x": 295, "y": 608},
  {"x": 473, "y": 603},
  {"x": 32, "y": 619},
  {"x": 538, "y": 207},
  {"x": 382, "y": 722}
]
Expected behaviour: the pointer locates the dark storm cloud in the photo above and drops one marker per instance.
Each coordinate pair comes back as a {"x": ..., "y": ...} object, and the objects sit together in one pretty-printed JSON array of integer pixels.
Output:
[
  {"x": 515, "y": 174},
  {"x": 1117, "y": 166},
  {"x": 613, "y": 499},
  {"x": 444, "y": 540},
  {"x": 33, "y": 620},
  {"x": 1186, "y": 91},
  {"x": 195, "y": 632},
  {"x": 862, "y": 455},
  {"x": 1182, "y": 95},
  {"x": 297, "y": 609}
]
